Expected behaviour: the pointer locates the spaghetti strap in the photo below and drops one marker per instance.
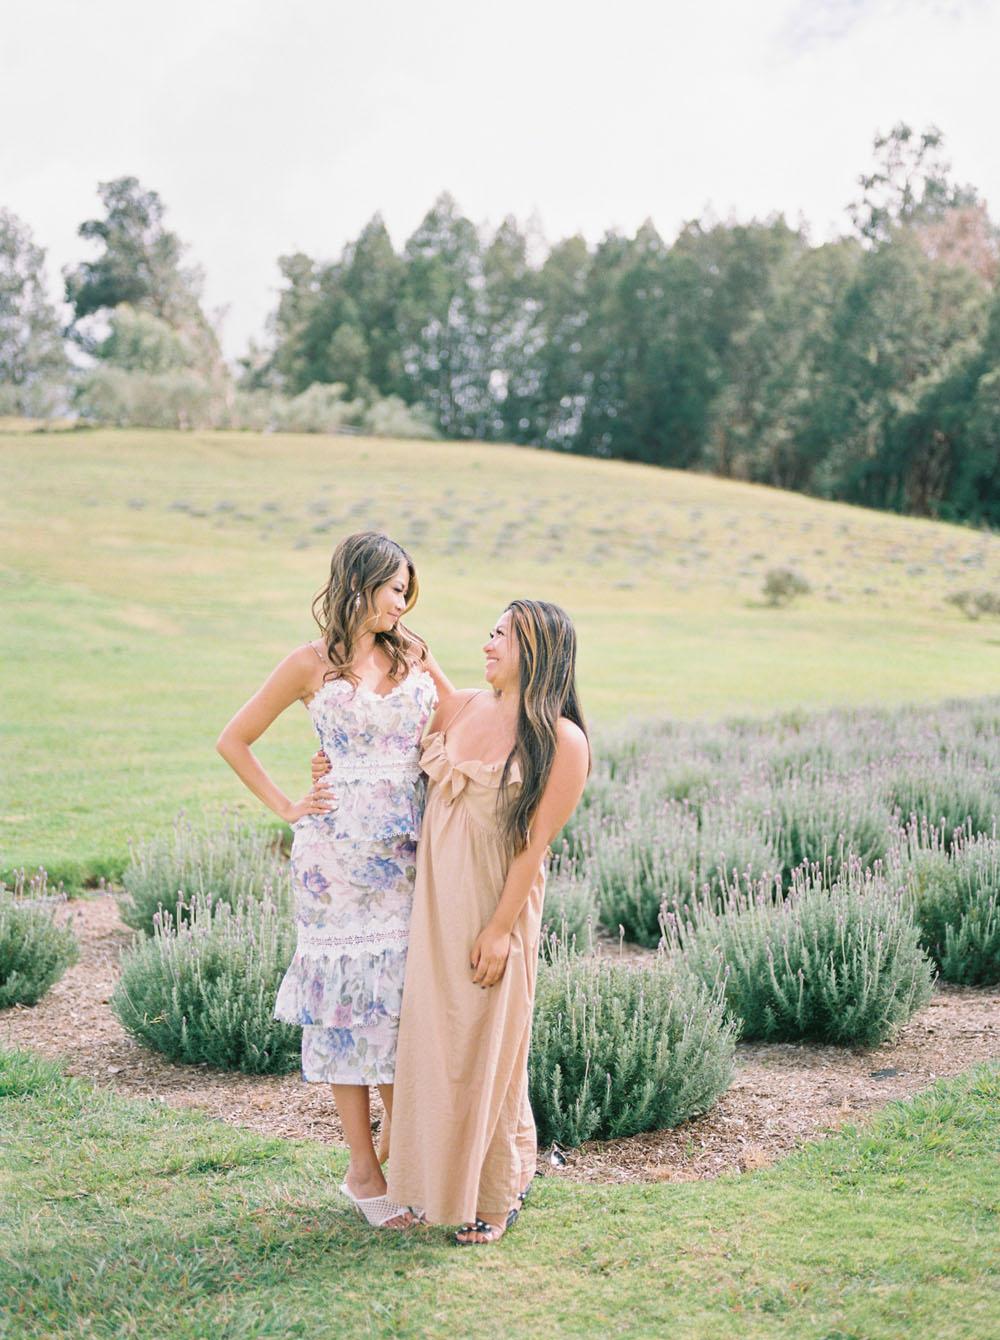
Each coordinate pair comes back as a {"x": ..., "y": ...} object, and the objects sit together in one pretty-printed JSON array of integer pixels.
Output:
[
  {"x": 319, "y": 654},
  {"x": 444, "y": 733}
]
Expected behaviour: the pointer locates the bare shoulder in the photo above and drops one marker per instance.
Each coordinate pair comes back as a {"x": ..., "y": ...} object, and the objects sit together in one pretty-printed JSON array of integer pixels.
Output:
[
  {"x": 572, "y": 748},
  {"x": 307, "y": 659},
  {"x": 570, "y": 737},
  {"x": 304, "y": 667},
  {"x": 449, "y": 706}
]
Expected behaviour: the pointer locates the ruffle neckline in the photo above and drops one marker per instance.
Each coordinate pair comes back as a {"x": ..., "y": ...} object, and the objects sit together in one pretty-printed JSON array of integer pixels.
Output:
[{"x": 453, "y": 778}]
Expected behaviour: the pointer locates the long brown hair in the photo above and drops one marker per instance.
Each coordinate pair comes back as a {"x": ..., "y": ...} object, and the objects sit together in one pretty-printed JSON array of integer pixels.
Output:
[
  {"x": 362, "y": 563},
  {"x": 546, "y": 641}
]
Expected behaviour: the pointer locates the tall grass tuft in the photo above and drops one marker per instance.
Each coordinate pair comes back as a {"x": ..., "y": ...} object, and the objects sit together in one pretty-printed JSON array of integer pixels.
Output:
[
  {"x": 220, "y": 865},
  {"x": 835, "y": 961},
  {"x": 35, "y": 950},
  {"x": 618, "y": 1050},
  {"x": 202, "y": 988}
]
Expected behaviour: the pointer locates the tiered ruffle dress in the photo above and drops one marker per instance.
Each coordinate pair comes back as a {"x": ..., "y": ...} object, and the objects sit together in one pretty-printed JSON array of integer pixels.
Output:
[
  {"x": 353, "y": 871},
  {"x": 463, "y": 1137}
]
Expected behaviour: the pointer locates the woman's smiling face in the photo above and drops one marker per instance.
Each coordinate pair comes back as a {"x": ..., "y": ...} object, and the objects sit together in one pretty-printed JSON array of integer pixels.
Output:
[
  {"x": 389, "y": 600},
  {"x": 502, "y": 656}
]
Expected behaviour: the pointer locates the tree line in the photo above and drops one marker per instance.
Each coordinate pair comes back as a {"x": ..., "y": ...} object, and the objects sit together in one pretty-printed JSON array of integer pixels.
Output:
[{"x": 865, "y": 369}]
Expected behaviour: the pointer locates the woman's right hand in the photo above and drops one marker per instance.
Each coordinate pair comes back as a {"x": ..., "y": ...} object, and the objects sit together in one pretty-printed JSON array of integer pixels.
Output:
[
  {"x": 320, "y": 765},
  {"x": 320, "y": 800}
]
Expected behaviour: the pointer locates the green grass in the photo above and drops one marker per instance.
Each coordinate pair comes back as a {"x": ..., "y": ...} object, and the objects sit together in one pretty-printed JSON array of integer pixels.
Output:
[
  {"x": 123, "y": 1218},
  {"x": 149, "y": 581}
]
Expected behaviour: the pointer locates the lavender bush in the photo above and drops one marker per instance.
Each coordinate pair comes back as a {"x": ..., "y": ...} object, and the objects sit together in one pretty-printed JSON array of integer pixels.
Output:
[
  {"x": 571, "y": 909},
  {"x": 222, "y": 864},
  {"x": 955, "y": 888},
  {"x": 618, "y": 1050},
  {"x": 202, "y": 988},
  {"x": 674, "y": 809},
  {"x": 834, "y": 961},
  {"x": 35, "y": 950}
]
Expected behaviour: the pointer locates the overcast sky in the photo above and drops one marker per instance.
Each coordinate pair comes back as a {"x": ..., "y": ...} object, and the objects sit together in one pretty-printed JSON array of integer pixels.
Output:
[{"x": 270, "y": 126}]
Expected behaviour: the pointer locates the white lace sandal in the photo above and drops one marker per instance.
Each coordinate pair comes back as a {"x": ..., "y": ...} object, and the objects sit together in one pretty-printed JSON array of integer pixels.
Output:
[{"x": 378, "y": 1210}]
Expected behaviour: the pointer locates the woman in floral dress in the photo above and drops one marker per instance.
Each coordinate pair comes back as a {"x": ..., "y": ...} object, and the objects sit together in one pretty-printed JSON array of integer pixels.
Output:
[{"x": 369, "y": 686}]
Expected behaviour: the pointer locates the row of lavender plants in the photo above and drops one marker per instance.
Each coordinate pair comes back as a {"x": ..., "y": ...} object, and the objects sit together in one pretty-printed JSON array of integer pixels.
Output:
[
  {"x": 615, "y": 1051},
  {"x": 675, "y": 814}
]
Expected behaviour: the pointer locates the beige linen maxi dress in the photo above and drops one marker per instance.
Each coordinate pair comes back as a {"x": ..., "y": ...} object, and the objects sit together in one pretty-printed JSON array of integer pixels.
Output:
[{"x": 463, "y": 1138}]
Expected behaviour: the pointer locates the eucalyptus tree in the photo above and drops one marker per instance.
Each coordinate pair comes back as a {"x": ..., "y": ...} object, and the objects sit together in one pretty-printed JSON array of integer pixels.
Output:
[
  {"x": 650, "y": 373},
  {"x": 442, "y": 320},
  {"x": 910, "y": 184},
  {"x": 139, "y": 265},
  {"x": 550, "y": 385},
  {"x": 33, "y": 364},
  {"x": 901, "y": 326}
]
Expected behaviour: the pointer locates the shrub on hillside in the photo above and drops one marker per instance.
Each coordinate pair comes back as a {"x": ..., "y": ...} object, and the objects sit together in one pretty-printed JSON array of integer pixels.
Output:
[
  {"x": 391, "y": 416},
  {"x": 618, "y": 1050},
  {"x": 222, "y": 864},
  {"x": 35, "y": 949},
  {"x": 782, "y": 585},
  {"x": 974, "y": 604},
  {"x": 178, "y": 398},
  {"x": 956, "y": 900},
  {"x": 202, "y": 989},
  {"x": 833, "y": 962}
]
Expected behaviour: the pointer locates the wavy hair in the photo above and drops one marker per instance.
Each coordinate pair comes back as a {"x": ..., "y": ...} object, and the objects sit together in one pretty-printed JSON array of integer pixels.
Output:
[
  {"x": 362, "y": 563},
  {"x": 546, "y": 641}
]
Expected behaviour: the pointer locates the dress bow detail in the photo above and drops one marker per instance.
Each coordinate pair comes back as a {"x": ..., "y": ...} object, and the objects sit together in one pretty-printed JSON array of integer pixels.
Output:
[{"x": 453, "y": 778}]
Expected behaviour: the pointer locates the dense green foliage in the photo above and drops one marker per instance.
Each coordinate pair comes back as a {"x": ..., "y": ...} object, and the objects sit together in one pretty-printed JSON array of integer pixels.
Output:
[
  {"x": 219, "y": 864},
  {"x": 862, "y": 369},
  {"x": 35, "y": 948},
  {"x": 203, "y": 989},
  {"x": 617, "y": 1050}
]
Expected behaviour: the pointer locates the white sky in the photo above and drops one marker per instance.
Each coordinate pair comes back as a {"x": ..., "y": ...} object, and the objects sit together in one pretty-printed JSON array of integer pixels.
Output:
[{"x": 270, "y": 126}]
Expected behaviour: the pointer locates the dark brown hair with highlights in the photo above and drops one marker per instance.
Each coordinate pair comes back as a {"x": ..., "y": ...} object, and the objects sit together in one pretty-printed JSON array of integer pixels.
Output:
[
  {"x": 546, "y": 641},
  {"x": 362, "y": 563}
]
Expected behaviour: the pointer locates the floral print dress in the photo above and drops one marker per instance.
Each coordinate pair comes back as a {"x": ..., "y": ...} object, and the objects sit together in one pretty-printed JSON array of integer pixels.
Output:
[{"x": 353, "y": 871}]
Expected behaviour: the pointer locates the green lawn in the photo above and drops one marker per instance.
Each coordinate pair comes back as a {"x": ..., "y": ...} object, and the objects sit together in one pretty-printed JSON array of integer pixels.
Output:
[
  {"x": 122, "y": 1218},
  {"x": 149, "y": 581}
]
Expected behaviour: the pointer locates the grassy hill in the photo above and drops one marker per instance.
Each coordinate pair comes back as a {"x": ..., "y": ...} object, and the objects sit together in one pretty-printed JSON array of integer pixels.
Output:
[{"x": 150, "y": 580}]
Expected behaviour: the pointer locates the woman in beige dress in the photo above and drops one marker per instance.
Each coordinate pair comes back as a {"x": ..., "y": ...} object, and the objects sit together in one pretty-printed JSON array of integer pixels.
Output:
[{"x": 506, "y": 766}]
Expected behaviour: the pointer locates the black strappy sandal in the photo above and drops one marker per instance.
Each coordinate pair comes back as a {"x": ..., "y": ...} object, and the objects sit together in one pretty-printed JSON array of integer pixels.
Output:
[{"x": 491, "y": 1232}]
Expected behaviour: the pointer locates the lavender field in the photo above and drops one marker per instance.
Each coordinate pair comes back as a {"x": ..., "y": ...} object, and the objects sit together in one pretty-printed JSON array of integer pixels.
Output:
[{"x": 683, "y": 825}]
